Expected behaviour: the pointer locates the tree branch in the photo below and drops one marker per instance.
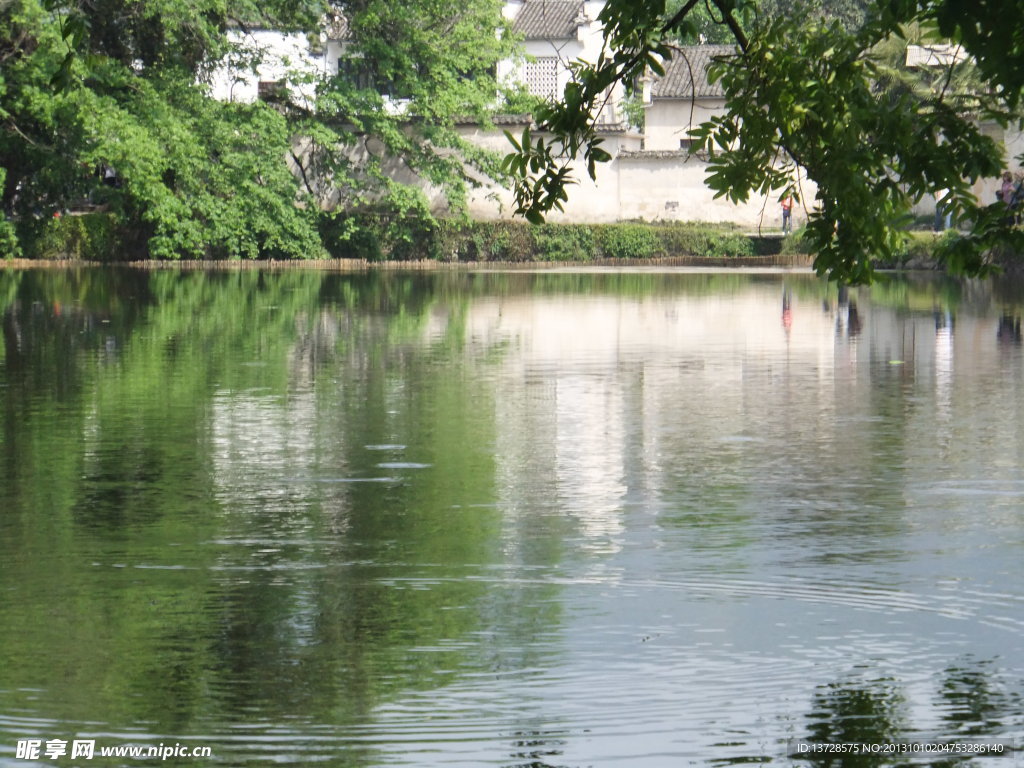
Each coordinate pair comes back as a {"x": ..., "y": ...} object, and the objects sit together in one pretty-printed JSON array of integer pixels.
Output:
[
  {"x": 302, "y": 172},
  {"x": 680, "y": 15},
  {"x": 734, "y": 26}
]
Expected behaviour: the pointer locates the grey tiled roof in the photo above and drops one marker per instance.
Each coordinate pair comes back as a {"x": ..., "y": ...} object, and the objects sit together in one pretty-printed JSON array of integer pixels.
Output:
[
  {"x": 500, "y": 119},
  {"x": 686, "y": 75},
  {"x": 549, "y": 19}
]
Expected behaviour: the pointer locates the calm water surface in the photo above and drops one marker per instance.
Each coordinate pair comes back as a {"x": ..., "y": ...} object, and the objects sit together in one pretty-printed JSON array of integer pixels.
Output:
[{"x": 531, "y": 520}]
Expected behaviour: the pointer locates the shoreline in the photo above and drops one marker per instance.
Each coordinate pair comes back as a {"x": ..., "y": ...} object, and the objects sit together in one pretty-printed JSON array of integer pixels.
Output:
[{"x": 778, "y": 261}]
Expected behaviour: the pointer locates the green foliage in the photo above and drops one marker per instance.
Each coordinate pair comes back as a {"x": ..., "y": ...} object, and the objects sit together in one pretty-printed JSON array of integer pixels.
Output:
[
  {"x": 921, "y": 249},
  {"x": 92, "y": 237},
  {"x": 805, "y": 95},
  {"x": 628, "y": 241},
  {"x": 851, "y": 14},
  {"x": 729, "y": 244},
  {"x": 197, "y": 178},
  {"x": 703, "y": 240},
  {"x": 424, "y": 68},
  {"x": 517, "y": 100},
  {"x": 349, "y": 236},
  {"x": 483, "y": 241},
  {"x": 699, "y": 25},
  {"x": 9, "y": 246},
  {"x": 498, "y": 249},
  {"x": 119, "y": 84},
  {"x": 704, "y": 23},
  {"x": 399, "y": 227},
  {"x": 370, "y": 235},
  {"x": 515, "y": 242},
  {"x": 635, "y": 110},
  {"x": 564, "y": 242},
  {"x": 796, "y": 243}
]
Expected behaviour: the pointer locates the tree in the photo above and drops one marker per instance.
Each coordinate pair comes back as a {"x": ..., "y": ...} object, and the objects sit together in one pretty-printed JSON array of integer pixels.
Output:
[
  {"x": 802, "y": 91},
  {"x": 705, "y": 24},
  {"x": 112, "y": 84},
  {"x": 423, "y": 67},
  {"x": 92, "y": 85}
]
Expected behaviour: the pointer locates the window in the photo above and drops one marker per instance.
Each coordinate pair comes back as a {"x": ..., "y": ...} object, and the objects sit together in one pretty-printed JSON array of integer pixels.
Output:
[
  {"x": 542, "y": 77},
  {"x": 271, "y": 90},
  {"x": 364, "y": 76},
  {"x": 356, "y": 71}
]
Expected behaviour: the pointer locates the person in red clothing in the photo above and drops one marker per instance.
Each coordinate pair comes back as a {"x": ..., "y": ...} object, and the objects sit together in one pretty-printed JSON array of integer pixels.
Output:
[{"x": 786, "y": 214}]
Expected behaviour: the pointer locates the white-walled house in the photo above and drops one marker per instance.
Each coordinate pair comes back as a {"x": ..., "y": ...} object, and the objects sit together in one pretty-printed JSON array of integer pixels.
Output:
[
  {"x": 668, "y": 177},
  {"x": 556, "y": 33},
  {"x": 652, "y": 176},
  {"x": 936, "y": 55},
  {"x": 683, "y": 98},
  {"x": 269, "y": 59}
]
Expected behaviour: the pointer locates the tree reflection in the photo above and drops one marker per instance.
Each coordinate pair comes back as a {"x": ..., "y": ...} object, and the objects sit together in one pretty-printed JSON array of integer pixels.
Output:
[
  {"x": 971, "y": 700},
  {"x": 974, "y": 703},
  {"x": 855, "y": 712},
  {"x": 1008, "y": 332},
  {"x": 536, "y": 749},
  {"x": 195, "y": 463}
]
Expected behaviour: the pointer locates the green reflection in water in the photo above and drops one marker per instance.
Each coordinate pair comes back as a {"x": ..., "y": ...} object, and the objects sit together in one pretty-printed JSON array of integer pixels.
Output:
[
  {"x": 239, "y": 496},
  {"x": 154, "y": 569},
  {"x": 972, "y": 700}
]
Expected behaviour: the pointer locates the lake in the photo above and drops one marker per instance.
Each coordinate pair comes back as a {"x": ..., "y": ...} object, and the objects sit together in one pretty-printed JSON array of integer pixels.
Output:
[{"x": 533, "y": 520}]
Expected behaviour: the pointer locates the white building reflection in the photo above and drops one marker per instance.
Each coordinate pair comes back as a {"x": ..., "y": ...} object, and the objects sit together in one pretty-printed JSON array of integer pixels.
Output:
[
  {"x": 609, "y": 404},
  {"x": 601, "y": 395},
  {"x": 262, "y": 446},
  {"x": 274, "y": 447}
]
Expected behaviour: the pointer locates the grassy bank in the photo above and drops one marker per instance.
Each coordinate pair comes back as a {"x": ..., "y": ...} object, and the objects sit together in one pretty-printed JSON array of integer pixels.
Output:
[
  {"x": 369, "y": 239},
  {"x": 920, "y": 251},
  {"x": 96, "y": 237}
]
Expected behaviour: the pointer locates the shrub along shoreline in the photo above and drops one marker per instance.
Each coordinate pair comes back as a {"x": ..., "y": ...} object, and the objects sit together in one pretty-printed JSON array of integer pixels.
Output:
[{"x": 369, "y": 240}]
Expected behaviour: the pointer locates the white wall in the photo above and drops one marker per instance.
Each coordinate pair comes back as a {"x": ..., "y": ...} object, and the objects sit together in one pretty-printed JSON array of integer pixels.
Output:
[
  {"x": 662, "y": 184},
  {"x": 282, "y": 57},
  {"x": 984, "y": 190},
  {"x": 668, "y": 121},
  {"x": 664, "y": 187},
  {"x": 589, "y": 201},
  {"x": 648, "y": 185}
]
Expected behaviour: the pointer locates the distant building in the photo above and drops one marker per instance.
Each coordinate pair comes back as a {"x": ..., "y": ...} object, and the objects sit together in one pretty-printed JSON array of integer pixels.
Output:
[
  {"x": 652, "y": 175},
  {"x": 935, "y": 55},
  {"x": 945, "y": 55},
  {"x": 282, "y": 61},
  {"x": 683, "y": 98},
  {"x": 555, "y": 33}
]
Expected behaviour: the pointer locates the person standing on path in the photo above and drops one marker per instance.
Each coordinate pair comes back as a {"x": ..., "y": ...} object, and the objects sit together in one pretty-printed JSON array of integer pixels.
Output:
[
  {"x": 943, "y": 214},
  {"x": 787, "y": 214}
]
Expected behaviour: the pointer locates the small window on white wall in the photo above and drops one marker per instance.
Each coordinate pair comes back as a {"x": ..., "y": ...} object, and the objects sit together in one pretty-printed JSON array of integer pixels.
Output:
[
  {"x": 542, "y": 77},
  {"x": 271, "y": 90}
]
